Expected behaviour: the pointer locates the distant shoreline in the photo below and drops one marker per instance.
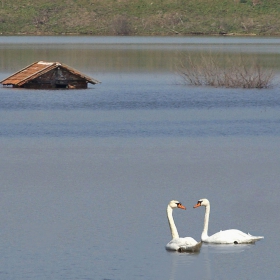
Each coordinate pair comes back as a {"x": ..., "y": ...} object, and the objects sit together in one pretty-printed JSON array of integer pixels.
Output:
[{"x": 144, "y": 35}]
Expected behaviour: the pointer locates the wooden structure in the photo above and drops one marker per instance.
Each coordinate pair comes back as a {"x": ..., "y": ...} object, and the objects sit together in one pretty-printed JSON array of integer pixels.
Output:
[{"x": 48, "y": 75}]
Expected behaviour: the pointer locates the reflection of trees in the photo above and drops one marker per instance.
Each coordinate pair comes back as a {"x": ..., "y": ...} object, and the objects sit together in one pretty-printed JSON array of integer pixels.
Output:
[
  {"x": 107, "y": 58},
  {"x": 124, "y": 60}
]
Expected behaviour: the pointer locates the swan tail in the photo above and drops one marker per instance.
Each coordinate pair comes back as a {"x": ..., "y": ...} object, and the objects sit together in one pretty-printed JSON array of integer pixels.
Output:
[
  {"x": 250, "y": 240},
  {"x": 255, "y": 238}
]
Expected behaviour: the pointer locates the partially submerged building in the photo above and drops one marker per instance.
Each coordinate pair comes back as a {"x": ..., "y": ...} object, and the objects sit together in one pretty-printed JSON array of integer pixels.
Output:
[{"x": 48, "y": 75}]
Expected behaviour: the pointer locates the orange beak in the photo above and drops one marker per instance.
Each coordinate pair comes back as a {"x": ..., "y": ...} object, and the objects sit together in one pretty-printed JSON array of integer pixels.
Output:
[
  {"x": 181, "y": 206},
  {"x": 197, "y": 205}
]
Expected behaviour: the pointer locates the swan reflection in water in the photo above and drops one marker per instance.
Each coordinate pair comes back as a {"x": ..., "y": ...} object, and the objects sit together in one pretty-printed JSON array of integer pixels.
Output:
[
  {"x": 226, "y": 248},
  {"x": 182, "y": 262}
]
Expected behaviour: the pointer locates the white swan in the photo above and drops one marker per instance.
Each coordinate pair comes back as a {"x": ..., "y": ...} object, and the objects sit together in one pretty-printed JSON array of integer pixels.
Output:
[
  {"x": 230, "y": 236},
  {"x": 186, "y": 244}
]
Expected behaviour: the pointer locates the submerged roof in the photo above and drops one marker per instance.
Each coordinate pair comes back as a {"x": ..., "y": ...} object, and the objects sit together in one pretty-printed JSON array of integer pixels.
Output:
[{"x": 39, "y": 68}]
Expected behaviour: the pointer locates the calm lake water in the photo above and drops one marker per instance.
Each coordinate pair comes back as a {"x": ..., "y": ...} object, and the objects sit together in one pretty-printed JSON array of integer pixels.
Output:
[{"x": 86, "y": 175}]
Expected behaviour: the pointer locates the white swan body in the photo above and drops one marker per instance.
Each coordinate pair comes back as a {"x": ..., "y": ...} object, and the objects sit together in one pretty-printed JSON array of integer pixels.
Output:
[
  {"x": 230, "y": 236},
  {"x": 177, "y": 243}
]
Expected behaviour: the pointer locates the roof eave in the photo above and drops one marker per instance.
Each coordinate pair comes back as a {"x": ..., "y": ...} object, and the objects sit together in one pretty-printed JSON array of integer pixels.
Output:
[{"x": 76, "y": 72}]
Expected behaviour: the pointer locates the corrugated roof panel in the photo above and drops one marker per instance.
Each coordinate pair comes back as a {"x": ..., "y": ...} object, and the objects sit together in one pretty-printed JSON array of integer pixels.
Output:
[
  {"x": 26, "y": 73},
  {"x": 46, "y": 63}
]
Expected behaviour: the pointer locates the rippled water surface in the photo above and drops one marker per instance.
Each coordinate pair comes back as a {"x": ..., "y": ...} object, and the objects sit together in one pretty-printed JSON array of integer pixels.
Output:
[{"x": 86, "y": 175}]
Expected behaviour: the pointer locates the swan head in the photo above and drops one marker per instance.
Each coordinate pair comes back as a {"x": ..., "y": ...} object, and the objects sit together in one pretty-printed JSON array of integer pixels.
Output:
[
  {"x": 202, "y": 202},
  {"x": 176, "y": 204}
]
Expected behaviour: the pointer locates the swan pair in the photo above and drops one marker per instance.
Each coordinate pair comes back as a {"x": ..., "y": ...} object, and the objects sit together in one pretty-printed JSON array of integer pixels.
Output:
[{"x": 188, "y": 244}]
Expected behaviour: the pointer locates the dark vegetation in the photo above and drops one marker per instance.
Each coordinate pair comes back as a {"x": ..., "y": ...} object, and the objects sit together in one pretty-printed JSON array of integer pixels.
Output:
[{"x": 140, "y": 17}]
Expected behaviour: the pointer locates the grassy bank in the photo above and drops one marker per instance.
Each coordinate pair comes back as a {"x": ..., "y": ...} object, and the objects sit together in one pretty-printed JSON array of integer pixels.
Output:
[{"x": 140, "y": 17}]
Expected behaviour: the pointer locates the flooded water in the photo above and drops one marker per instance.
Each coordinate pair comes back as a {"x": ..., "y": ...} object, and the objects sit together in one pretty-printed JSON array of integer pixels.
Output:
[{"x": 86, "y": 175}]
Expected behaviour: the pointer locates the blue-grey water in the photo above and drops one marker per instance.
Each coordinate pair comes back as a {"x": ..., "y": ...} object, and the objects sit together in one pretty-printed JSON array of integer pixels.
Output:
[{"x": 86, "y": 175}]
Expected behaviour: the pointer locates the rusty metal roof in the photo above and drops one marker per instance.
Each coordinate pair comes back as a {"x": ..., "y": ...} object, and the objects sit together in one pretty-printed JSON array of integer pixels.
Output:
[{"x": 39, "y": 68}]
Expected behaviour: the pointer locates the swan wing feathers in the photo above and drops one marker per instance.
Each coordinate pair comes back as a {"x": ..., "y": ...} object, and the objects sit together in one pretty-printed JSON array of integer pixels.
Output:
[
  {"x": 177, "y": 243},
  {"x": 232, "y": 236}
]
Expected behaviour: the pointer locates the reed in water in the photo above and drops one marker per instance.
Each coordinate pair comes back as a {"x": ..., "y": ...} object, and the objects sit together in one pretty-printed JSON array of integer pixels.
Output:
[{"x": 230, "y": 72}]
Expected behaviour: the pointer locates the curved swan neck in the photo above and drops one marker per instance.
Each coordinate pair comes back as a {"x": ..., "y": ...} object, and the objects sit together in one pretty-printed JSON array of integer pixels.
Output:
[
  {"x": 204, "y": 234},
  {"x": 171, "y": 222}
]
